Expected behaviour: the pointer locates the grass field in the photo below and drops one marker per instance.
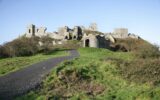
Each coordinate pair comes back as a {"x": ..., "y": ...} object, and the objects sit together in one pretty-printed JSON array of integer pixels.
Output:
[
  {"x": 8, "y": 65},
  {"x": 93, "y": 76}
]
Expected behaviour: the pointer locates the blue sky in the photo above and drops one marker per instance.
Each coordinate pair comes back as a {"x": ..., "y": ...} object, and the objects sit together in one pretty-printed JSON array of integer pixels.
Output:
[{"x": 141, "y": 17}]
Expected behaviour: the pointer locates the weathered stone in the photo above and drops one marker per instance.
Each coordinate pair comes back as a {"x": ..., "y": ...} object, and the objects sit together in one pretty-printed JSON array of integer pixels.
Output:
[
  {"x": 90, "y": 41},
  {"x": 41, "y": 32},
  {"x": 78, "y": 33},
  {"x": 62, "y": 30},
  {"x": 33, "y": 31},
  {"x": 30, "y": 31},
  {"x": 54, "y": 42},
  {"x": 93, "y": 27},
  {"x": 97, "y": 41},
  {"x": 133, "y": 36},
  {"x": 110, "y": 38},
  {"x": 120, "y": 33},
  {"x": 40, "y": 43}
]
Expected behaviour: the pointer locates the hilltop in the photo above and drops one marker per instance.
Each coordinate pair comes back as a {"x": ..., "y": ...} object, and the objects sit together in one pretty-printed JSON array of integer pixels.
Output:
[
  {"x": 111, "y": 66},
  {"x": 89, "y": 37},
  {"x": 36, "y": 40}
]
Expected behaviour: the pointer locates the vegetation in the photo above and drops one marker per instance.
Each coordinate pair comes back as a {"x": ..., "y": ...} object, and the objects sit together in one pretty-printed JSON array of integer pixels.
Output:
[
  {"x": 70, "y": 44},
  {"x": 142, "y": 71},
  {"x": 148, "y": 51},
  {"x": 26, "y": 46},
  {"x": 98, "y": 74},
  {"x": 145, "y": 68},
  {"x": 23, "y": 51},
  {"x": 103, "y": 75},
  {"x": 19, "y": 47},
  {"x": 47, "y": 44},
  {"x": 129, "y": 44},
  {"x": 8, "y": 65}
]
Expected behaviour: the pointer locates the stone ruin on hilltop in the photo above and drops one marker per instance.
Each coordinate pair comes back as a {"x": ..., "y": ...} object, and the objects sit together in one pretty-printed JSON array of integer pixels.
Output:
[{"x": 90, "y": 37}]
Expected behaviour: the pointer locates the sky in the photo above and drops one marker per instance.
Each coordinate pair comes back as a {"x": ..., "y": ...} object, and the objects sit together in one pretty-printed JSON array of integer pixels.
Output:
[{"x": 141, "y": 17}]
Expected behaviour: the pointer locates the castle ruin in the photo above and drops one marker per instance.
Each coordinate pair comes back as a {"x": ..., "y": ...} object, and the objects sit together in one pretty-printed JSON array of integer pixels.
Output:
[
  {"x": 32, "y": 30},
  {"x": 92, "y": 39}
]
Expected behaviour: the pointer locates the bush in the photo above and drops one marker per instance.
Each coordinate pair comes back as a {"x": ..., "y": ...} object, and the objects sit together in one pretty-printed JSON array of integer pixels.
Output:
[
  {"x": 25, "y": 46},
  {"x": 148, "y": 51},
  {"x": 128, "y": 44},
  {"x": 47, "y": 44},
  {"x": 142, "y": 70},
  {"x": 19, "y": 47},
  {"x": 120, "y": 47},
  {"x": 7, "y": 51},
  {"x": 65, "y": 82}
]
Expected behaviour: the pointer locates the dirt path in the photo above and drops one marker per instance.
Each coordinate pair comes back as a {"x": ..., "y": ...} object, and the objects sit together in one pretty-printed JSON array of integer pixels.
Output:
[{"x": 21, "y": 81}]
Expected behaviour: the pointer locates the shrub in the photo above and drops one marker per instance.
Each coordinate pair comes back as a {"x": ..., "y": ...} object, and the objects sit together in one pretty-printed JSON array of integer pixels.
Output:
[
  {"x": 119, "y": 47},
  {"x": 68, "y": 81},
  {"x": 128, "y": 44},
  {"x": 148, "y": 51},
  {"x": 47, "y": 44},
  {"x": 19, "y": 47},
  {"x": 25, "y": 46},
  {"x": 141, "y": 70},
  {"x": 7, "y": 51}
]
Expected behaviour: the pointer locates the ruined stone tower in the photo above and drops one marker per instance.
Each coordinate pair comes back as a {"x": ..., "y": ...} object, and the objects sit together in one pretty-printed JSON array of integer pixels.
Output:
[
  {"x": 32, "y": 30},
  {"x": 93, "y": 27}
]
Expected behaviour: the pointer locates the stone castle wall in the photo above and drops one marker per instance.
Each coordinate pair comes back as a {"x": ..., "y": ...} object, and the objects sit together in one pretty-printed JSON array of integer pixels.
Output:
[
  {"x": 32, "y": 30},
  {"x": 78, "y": 33}
]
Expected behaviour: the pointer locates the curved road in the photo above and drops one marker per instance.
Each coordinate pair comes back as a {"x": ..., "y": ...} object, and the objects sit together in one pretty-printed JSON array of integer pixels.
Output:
[{"x": 23, "y": 80}]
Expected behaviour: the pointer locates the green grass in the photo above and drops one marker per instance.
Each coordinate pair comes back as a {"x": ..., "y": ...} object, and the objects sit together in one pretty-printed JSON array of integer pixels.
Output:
[
  {"x": 94, "y": 75},
  {"x": 8, "y": 65}
]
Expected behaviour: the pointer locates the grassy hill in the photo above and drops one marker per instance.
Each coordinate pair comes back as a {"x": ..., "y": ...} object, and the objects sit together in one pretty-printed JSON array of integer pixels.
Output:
[
  {"x": 101, "y": 74},
  {"x": 130, "y": 70}
]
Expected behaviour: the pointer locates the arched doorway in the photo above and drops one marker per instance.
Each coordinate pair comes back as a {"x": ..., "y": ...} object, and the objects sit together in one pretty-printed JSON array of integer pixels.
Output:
[
  {"x": 74, "y": 37},
  {"x": 87, "y": 43},
  {"x": 66, "y": 37}
]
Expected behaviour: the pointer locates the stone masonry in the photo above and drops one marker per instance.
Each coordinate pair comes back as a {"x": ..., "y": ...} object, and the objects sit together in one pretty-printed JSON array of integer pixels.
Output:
[{"x": 78, "y": 33}]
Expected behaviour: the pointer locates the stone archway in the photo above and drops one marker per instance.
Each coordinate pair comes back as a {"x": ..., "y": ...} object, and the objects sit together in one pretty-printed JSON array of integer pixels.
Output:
[
  {"x": 74, "y": 37},
  {"x": 66, "y": 37},
  {"x": 87, "y": 43}
]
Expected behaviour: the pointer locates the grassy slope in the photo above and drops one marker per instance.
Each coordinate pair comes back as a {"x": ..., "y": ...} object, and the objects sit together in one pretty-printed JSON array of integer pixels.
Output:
[
  {"x": 8, "y": 65},
  {"x": 92, "y": 76}
]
